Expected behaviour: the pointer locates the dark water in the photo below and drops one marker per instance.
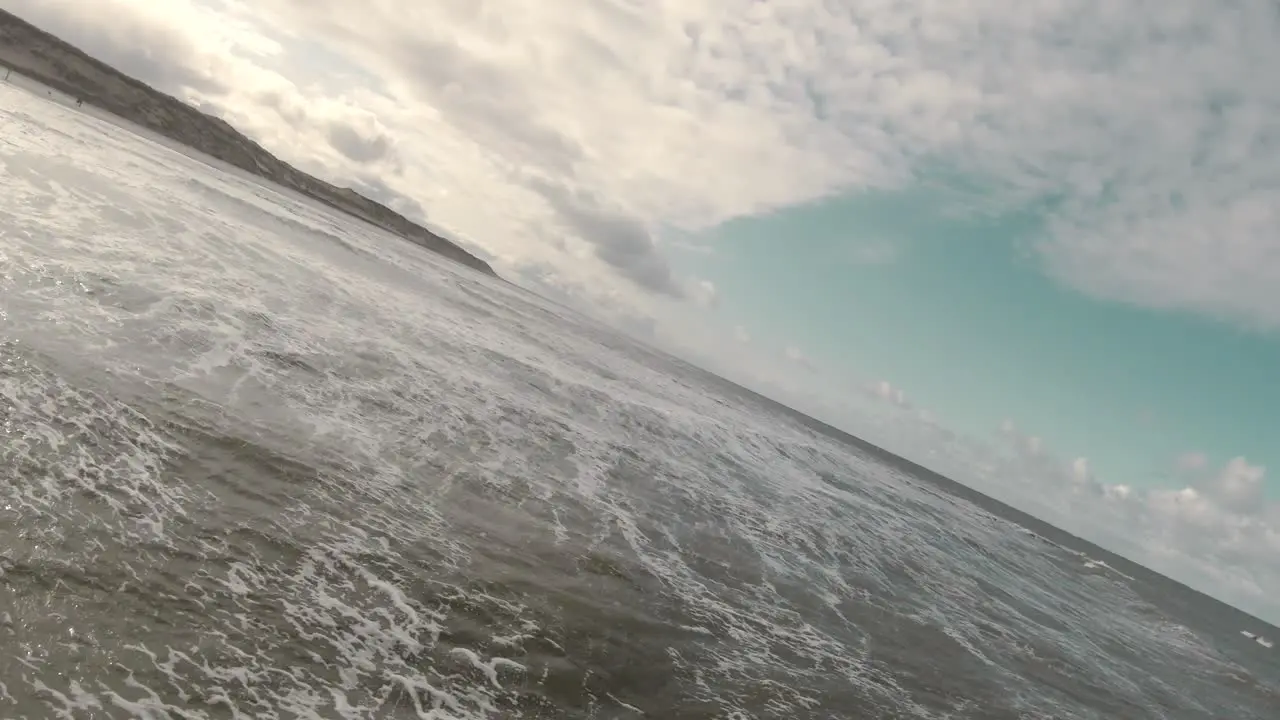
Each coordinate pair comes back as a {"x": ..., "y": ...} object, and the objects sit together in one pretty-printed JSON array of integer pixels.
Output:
[{"x": 259, "y": 461}]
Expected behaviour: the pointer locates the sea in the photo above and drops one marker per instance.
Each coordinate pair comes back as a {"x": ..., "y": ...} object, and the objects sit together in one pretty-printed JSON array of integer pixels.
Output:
[{"x": 261, "y": 460}]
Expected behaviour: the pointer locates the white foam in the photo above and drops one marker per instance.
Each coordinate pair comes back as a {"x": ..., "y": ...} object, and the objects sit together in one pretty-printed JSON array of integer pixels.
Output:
[{"x": 489, "y": 668}]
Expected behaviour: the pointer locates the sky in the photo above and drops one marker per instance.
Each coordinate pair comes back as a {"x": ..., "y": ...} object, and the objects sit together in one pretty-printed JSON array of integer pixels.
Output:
[{"x": 1033, "y": 244}]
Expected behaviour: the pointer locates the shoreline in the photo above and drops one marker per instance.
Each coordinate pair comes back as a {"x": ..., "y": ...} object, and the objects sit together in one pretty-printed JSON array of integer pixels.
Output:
[
  {"x": 45, "y": 60},
  {"x": 38, "y": 89}
]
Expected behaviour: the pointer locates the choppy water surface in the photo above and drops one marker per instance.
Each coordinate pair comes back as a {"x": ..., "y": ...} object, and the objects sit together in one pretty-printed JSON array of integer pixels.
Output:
[{"x": 259, "y": 461}]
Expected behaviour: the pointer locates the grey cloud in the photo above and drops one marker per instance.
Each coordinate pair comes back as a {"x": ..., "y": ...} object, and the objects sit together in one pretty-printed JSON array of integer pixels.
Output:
[
  {"x": 375, "y": 188},
  {"x": 794, "y": 355},
  {"x": 288, "y": 108},
  {"x": 623, "y": 242},
  {"x": 358, "y": 146},
  {"x": 146, "y": 50},
  {"x": 494, "y": 102},
  {"x": 484, "y": 98},
  {"x": 364, "y": 146}
]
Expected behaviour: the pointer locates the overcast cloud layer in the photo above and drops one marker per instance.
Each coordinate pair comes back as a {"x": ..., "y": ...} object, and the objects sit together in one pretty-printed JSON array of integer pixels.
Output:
[{"x": 564, "y": 138}]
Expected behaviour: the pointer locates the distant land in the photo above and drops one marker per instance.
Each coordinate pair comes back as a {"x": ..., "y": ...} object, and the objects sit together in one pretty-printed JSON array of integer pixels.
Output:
[{"x": 32, "y": 52}]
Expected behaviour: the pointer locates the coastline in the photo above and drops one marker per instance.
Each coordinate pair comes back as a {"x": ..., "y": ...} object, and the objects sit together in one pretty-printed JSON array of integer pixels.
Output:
[{"x": 42, "y": 58}]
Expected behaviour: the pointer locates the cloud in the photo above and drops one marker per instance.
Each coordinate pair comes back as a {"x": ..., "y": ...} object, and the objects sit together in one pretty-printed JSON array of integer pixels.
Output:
[
  {"x": 885, "y": 391},
  {"x": 1146, "y": 136},
  {"x": 1080, "y": 470},
  {"x": 1218, "y": 532},
  {"x": 796, "y": 356},
  {"x": 704, "y": 292},
  {"x": 1191, "y": 462},
  {"x": 1026, "y": 446},
  {"x": 362, "y": 145},
  {"x": 1238, "y": 487},
  {"x": 622, "y": 241},
  {"x": 1117, "y": 493},
  {"x": 1141, "y": 128},
  {"x": 1034, "y": 445},
  {"x": 163, "y": 45}
]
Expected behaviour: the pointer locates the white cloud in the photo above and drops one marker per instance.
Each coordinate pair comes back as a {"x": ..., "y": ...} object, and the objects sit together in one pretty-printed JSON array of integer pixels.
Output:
[
  {"x": 1218, "y": 532},
  {"x": 1080, "y": 471},
  {"x": 1030, "y": 446},
  {"x": 887, "y": 392},
  {"x": 796, "y": 356},
  {"x": 1186, "y": 506},
  {"x": 704, "y": 292},
  {"x": 1238, "y": 487},
  {"x": 1117, "y": 493},
  {"x": 1151, "y": 133}
]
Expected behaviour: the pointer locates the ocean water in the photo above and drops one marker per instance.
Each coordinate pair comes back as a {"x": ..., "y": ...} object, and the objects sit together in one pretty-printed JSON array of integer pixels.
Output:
[{"x": 258, "y": 460}]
